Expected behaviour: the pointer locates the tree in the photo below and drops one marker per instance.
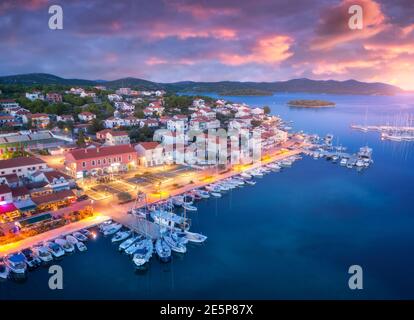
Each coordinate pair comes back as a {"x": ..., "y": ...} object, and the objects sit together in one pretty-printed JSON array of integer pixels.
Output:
[
  {"x": 96, "y": 126},
  {"x": 81, "y": 139},
  {"x": 266, "y": 109}
]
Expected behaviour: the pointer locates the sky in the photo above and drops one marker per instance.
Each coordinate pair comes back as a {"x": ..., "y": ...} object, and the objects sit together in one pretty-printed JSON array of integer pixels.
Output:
[{"x": 210, "y": 40}]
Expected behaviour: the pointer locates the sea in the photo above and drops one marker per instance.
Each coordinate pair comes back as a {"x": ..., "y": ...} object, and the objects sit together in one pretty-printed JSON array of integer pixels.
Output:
[{"x": 294, "y": 235}]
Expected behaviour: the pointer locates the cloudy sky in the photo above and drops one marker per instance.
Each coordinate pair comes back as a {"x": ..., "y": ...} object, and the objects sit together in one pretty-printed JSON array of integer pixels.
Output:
[{"x": 210, "y": 40}]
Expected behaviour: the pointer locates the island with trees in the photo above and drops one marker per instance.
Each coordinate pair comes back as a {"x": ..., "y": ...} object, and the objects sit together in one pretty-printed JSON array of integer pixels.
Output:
[{"x": 305, "y": 103}]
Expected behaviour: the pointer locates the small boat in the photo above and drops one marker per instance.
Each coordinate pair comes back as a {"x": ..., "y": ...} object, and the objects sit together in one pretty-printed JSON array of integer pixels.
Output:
[
  {"x": 111, "y": 229},
  {"x": 4, "y": 271},
  {"x": 79, "y": 236},
  {"x": 195, "y": 237},
  {"x": 32, "y": 260},
  {"x": 67, "y": 246},
  {"x": 360, "y": 163},
  {"x": 179, "y": 237},
  {"x": 189, "y": 207},
  {"x": 163, "y": 250},
  {"x": 55, "y": 249},
  {"x": 216, "y": 194},
  {"x": 105, "y": 224},
  {"x": 43, "y": 253},
  {"x": 127, "y": 243},
  {"x": 251, "y": 182},
  {"x": 143, "y": 254},
  {"x": 86, "y": 233},
  {"x": 16, "y": 263},
  {"x": 256, "y": 173},
  {"x": 174, "y": 245},
  {"x": 177, "y": 200},
  {"x": 121, "y": 235},
  {"x": 81, "y": 246},
  {"x": 343, "y": 162},
  {"x": 72, "y": 239}
]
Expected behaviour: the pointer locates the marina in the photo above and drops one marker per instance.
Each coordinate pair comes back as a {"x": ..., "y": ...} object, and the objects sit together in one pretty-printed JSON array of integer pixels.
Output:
[{"x": 391, "y": 133}]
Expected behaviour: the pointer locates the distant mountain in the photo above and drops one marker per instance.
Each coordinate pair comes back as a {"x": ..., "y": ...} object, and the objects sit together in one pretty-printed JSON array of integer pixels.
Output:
[{"x": 222, "y": 87}]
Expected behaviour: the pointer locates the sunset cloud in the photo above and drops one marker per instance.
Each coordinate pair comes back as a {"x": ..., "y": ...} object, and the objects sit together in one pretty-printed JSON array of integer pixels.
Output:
[{"x": 176, "y": 40}]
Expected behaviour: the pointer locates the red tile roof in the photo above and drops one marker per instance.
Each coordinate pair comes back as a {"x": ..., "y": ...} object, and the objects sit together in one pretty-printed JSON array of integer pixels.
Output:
[
  {"x": 20, "y": 191},
  {"x": 149, "y": 145},
  {"x": 20, "y": 162},
  {"x": 53, "y": 197},
  {"x": 4, "y": 188},
  {"x": 82, "y": 154}
]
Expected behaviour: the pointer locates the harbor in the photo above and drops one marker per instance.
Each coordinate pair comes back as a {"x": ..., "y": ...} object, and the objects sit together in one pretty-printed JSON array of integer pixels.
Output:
[{"x": 388, "y": 132}]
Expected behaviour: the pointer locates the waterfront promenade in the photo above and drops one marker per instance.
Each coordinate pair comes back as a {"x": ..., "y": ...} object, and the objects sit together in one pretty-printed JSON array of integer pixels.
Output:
[{"x": 52, "y": 234}]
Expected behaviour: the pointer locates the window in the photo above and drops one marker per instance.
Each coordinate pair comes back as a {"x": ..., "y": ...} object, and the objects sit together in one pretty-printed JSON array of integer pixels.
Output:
[
  {"x": 40, "y": 167},
  {"x": 119, "y": 159},
  {"x": 104, "y": 161},
  {"x": 14, "y": 170},
  {"x": 99, "y": 162},
  {"x": 83, "y": 164},
  {"x": 93, "y": 162},
  {"x": 19, "y": 170},
  {"x": 109, "y": 160},
  {"x": 129, "y": 158},
  {"x": 114, "y": 159}
]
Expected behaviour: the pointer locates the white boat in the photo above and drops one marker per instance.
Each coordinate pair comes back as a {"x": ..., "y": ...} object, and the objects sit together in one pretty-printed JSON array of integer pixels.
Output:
[
  {"x": 195, "y": 237},
  {"x": 143, "y": 254},
  {"x": 256, "y": 173},
  {"x": 163, "y": 250},
  {"x": 105, "y": 224},
  {"x": 216, "y": 194},
  {"x": 203, "y": 194},
  {"x": 189, "y": 207},
  {"x": 16, "y": 263},
  {"x": 174, "y": 245},
  {"x": 81, "y": 246},
  {"x": 343, "y": 162},
  {"x": 32, "y": 260},
  {"x": 43, "y": 253},
  {"x": 79, "y": 236},
  {"x": 111, "y": 229},
  {"x": 251, "y": 182},
  {"x": 169, "y": 219},
  {"x": 55, "y": 249},
  {"x": 4, "y": 271},
  {"x": 177, "y": 200},
  {"x": 86, "y": 233},
  {"x": 360, "y": 163},
  {"x": 245, "y": 175},
  {"x": 127, "y": 243},
  {"x": 135, "y": 246},
  {"x": 71, "y": 239},
  {"x": 67, "y": 246},
  {"x": 121, "y": 235}
]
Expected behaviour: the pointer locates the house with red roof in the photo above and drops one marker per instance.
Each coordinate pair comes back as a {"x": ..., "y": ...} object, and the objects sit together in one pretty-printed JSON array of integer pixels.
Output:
[
  {"x": 86, "y": 116},
  {"x": 21, "y": 166},
  {"x": 150, "y": 154},
  {"x": 100, "y": 160}
]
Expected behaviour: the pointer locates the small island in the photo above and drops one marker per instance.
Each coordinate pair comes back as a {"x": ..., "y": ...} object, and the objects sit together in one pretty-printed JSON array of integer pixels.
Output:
[{"x": 311, "y": 103}]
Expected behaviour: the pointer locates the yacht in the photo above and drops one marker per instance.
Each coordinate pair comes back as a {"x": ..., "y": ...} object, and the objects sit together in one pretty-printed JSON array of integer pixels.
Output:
[
  {"x": 43, "y": 253},
  {"x": 203, "y": 194},
  {"x": 105, "y": 224},
  {"x": 343, "y": 161},
  {"x": 81, "y": 246},
  {"x": 4, "y": 270},
  {"x": 55, "y": 249},
  {"x": 216, "y": 194},
  {"x": 169, "y": 219},
  {"x": 111, "y": 229},
  {"x": 163, "y": 250},
  {"x": 32, "y": 260},
  {"x": 121, "y": 235},
  {"x": 251, "y": 182},
  {"x": 256, "y": 173},
  {"x": 67, "y": 246},
  {"x": 360, "y": 163},
  {"x": 16, "y": 263},
  {"x": 189, "y": 207},
  {"x": 174, "y": 245},
  {"x": 86, "y": 233},
  {"x": 135, "y": 246},
  {"x": 127, "y": 243},
  {"x": 71, "y": 239},
  {"x": 80, "y": 236},
  {"x": 143, "y": 254}
]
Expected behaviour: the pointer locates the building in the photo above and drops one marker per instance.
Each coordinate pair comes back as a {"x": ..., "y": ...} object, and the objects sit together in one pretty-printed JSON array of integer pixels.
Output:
[
  {"x": 106, "y": 159},
  {"x": 4, "y": 120},
  {"x": 8, "y": 103},
  {"x": 21, "y": 166},
  {"x": 5, "y": 194},
  {"x": 32, "y": 96},
  {"x": 86, "y": 116},
  {"x": 149, "y": 154},
  {"x": 54, "y": 97},
  {"x": 54, "y": 201},
  {"x": 39, "y": 120},
  {"x": 55, "y": 180},
  {"x": 204, "y": 123},
  {"x": 65, "y": 118},
  {"x": 112, "y": 138}
]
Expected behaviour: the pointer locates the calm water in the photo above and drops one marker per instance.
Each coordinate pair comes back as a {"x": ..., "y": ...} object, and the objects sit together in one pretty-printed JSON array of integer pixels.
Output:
[{"x": 292, "y": 235}]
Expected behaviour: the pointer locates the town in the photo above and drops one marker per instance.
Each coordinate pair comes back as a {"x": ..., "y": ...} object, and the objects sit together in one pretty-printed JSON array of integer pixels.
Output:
[{"x": 81, "y": 157}]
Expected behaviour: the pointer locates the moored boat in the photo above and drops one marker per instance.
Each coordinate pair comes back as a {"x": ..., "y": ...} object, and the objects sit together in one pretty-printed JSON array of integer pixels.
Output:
[
  {"x": 55, "y": 249},
  {"x": 175, "y": 246},
  {"x": 79, "y": 236},
  {"x": 66, "y": 245},
  {"x": 16, "y": 264},
  {"x": 121, "y": 235},
  {"x": 163, "y": 250},
  {"x": 43, "y": 253},
  {"x": 143, "y": 254}
]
